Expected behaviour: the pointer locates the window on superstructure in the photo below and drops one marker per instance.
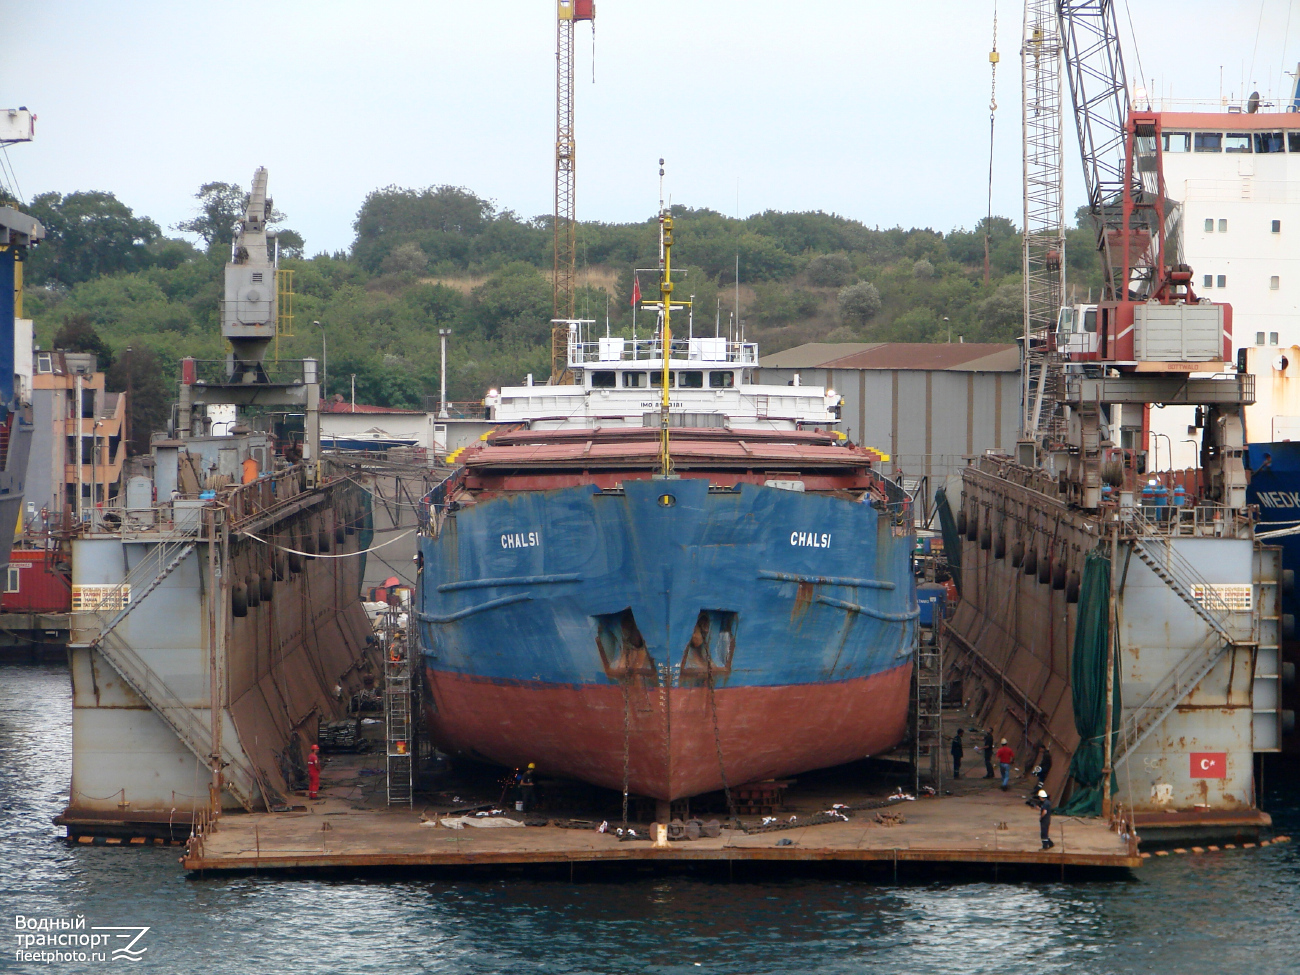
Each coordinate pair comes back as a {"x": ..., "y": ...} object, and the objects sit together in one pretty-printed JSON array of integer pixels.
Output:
[
  {"x": 1268, "y": 142},
  {"x": 1209, "y": 141},
  {"x": 12, "y": 580},
  {"x": 1209, "y": 225},
  {"x": 722, "y": 380},
  {"x": 1090, "y": 320},
  {"x": 1223, "y": 226},
  {"x": 1177, "y": 141},
  {"x": 1259, "y": 338},
  {"x": 602, "y": 379},
  {"x": 1277, "y": 226},
  {"x": 1221, "y": 281},
  {"x": 657, "y": 379},
  {"x": 1272, "y": 338},
  {"x": 1293, "y": 141},
  {"x": 1274, "y": 283},
  {"x": 690, "y": 380},
  {"x": 634, "y": 380},
  {"x": 1236, "y": 142},
  {"x": 1209, "y": 281},
  {"x": 44, "y": 363}
]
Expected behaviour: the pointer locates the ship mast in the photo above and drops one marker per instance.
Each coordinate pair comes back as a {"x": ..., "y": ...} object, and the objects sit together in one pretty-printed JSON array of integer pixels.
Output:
[{"x": 666, "y": 335}]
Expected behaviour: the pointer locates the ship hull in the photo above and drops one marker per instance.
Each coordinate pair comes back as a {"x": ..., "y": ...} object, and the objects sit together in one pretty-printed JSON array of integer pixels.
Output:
[{"x": 716, "y": 638}]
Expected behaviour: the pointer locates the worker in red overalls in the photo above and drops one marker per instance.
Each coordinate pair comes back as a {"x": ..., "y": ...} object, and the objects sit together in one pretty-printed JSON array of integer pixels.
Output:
[{"x": 313, "y": 772}]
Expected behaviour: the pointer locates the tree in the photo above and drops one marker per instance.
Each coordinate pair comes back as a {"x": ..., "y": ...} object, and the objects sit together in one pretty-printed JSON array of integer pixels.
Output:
[
  {"x": 139, "y": 374},
  {"x": 830, "y": 270},
  {"x": 221, "y": 207},
  {"x": 87, "y": 235},
  {"x": 859, "y": 303},
  {"x": 79, "y": 335}
]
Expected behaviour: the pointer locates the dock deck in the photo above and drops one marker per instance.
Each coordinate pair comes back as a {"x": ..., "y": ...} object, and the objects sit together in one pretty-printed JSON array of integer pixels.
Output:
[{"x": 346, "y": 829}]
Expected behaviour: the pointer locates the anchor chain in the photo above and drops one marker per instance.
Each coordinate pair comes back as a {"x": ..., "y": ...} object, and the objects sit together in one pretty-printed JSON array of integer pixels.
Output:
[
  {"x": 717, "y": 738},
  {"x": 627, "y": 739}
]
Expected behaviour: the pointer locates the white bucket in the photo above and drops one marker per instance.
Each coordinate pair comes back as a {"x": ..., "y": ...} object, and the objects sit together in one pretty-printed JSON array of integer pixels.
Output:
[{"x": 519, "y": 805}]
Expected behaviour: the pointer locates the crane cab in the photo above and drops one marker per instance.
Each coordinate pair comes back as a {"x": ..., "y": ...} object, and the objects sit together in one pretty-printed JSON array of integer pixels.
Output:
[
  {"x": 1152, "y": 336},
  {"x": 1076, "y": 331}
]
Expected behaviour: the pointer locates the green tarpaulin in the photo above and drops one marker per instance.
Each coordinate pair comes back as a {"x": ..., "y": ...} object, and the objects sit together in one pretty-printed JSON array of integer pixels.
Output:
[
  {"x": 1088, "y": 679},
  {"x": 951, "y": 540}
]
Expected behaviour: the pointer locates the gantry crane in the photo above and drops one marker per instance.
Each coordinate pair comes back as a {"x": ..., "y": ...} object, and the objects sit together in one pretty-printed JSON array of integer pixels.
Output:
[{"x": 568, "y": 13}]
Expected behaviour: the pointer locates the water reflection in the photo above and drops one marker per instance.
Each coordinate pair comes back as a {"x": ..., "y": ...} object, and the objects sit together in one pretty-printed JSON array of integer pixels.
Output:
[{"x": 1231, "y": 911}]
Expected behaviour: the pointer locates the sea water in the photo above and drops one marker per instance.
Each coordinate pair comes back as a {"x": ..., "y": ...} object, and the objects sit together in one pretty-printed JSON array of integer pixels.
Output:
[{"x": 1235, "y": 911}]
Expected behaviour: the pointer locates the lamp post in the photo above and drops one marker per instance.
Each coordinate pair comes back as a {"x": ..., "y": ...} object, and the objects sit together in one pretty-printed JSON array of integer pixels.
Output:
[
  {"x": 1168, "y": 443},
  {"x": 325, "y": 360},
  {"x": 442, "y": 394}
]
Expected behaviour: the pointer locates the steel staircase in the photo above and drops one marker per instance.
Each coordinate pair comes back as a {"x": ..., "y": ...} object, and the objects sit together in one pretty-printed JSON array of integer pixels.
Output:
[
  {"x": 193, "y": 730},
  {"x": 400, "y": 747},
  {"x": 1157, "y": 552}
]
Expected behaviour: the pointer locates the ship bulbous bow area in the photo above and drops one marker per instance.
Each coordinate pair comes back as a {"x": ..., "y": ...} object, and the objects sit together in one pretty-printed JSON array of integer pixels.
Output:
[{"x": 669, "y": 646}]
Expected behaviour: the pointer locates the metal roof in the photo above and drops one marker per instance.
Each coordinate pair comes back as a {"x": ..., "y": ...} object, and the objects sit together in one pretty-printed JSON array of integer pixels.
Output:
[
  {"x": 918, "y": 356},
  {"x": 813, "y": 355}
]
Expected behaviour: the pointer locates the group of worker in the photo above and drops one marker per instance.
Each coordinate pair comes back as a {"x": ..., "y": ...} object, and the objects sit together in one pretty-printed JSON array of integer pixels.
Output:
[{"x": 1004, "y": 757}]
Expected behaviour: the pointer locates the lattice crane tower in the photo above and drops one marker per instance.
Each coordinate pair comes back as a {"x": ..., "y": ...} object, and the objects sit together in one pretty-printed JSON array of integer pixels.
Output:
[
  {"x": 568, "y": 12},
  {"x": 1043, "y": 241}
]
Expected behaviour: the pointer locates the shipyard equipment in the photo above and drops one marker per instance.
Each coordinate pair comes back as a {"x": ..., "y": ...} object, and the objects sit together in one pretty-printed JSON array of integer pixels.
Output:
[
  {"x": 568, "y": 14},
  {"x": 1126, "y": 622}
]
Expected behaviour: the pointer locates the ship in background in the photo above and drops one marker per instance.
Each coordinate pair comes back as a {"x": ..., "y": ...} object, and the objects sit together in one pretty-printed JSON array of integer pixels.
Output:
[
  {"x": 1232, "y": 167},
  {"x": 18, "y": 233},
  {"x": 665, "y": 579}
]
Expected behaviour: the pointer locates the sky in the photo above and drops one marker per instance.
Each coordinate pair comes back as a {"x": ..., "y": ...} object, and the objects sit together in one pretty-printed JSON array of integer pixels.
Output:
[{"x": 876, "y": 111}]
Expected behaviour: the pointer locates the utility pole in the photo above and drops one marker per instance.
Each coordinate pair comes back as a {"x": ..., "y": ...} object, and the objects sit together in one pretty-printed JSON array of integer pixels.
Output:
[{"x": 442, "y": 390}]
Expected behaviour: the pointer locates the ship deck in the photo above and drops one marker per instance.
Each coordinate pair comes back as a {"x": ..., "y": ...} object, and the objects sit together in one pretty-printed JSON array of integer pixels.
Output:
[{"x": 351, "y": 829}]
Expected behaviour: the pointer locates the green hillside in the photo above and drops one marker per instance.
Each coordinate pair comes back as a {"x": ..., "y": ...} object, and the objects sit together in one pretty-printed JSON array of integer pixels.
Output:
[{"x": 444, "y": 257}]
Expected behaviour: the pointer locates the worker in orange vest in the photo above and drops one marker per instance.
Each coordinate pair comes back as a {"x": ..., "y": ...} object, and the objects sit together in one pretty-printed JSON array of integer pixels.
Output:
[{"x": 313, "y": 772}]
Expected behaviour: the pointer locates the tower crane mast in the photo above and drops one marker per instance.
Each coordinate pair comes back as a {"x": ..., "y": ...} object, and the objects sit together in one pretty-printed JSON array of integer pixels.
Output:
[
  {"x": 568, "y": 13},
  {"x": 1043, "y": 241}
]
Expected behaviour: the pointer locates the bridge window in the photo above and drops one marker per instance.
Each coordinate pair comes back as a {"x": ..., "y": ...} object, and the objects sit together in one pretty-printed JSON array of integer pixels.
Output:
[
  {"x": 633, "y": 380},
  {"x": 690, "y": 379},
  {"x": 604, "y": 380},
  {"x": 1209, "y": 141},
  {"x": 722, "y": 380},
  {"x": 1293, "y": 141},
  {"x": 1178, "y": 141},
  {"x": 1236, "y": 142},
  {"x": 1268, "y": 142},
  {"x": 657, "y": 379}
]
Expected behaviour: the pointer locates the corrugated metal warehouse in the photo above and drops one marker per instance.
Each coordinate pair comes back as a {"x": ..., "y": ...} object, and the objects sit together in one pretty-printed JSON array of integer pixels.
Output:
[{"x": 929, "y": 406}]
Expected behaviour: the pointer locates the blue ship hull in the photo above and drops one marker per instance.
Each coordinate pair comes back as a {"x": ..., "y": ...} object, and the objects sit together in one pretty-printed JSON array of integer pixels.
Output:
[
  {"x": 1275, "y": 488},
  {"x": 667, "y": 636}
]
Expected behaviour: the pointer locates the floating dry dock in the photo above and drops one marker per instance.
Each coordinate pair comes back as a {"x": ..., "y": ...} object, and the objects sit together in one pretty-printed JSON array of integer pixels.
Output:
[{"x": 341, "y": 833}]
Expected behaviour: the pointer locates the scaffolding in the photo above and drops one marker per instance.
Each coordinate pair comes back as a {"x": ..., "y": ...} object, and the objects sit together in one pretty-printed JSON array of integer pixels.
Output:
[
  {"x": 927, "y": 703},
  {"x": 401, "y": 694}
]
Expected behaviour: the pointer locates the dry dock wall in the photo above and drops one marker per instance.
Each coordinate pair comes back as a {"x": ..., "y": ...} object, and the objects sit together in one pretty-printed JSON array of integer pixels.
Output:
[{"x": 293, "y": 660}]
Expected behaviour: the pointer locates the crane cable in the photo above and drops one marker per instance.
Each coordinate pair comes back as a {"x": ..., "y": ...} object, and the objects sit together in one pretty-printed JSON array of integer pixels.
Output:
[{"x": 994, "y": 58}]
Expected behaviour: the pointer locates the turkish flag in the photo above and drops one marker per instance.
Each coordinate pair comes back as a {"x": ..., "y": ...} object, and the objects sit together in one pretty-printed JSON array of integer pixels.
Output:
[
  {"x": 1209, "y": 765},
  {"x": 636, "y": 291}
]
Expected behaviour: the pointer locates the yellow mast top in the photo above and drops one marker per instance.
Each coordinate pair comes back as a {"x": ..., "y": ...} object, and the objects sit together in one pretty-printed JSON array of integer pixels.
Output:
[{"x": 665, "y": 296}]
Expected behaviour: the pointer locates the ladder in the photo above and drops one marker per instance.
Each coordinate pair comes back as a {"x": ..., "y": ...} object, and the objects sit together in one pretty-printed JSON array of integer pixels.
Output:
[
  {"x": 928, "y": 702},
  {"x": 398, "y": 689}
]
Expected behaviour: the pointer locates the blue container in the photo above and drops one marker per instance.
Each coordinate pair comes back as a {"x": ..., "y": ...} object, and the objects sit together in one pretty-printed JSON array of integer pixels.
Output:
[{"x": 933, "y": 600}]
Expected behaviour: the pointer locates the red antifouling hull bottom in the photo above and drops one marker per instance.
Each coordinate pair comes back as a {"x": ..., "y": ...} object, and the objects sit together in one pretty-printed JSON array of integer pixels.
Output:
[{"x": 672, "y": 749}]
